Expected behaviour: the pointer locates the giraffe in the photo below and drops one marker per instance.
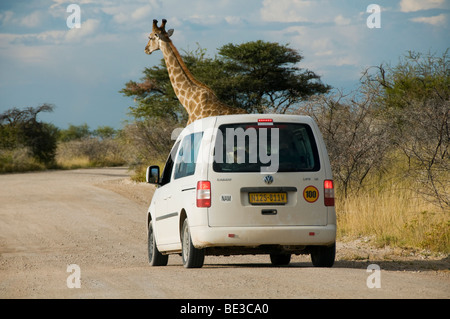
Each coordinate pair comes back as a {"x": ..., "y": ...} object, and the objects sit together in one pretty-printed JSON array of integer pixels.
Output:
[{"x": 198, "y": 99}]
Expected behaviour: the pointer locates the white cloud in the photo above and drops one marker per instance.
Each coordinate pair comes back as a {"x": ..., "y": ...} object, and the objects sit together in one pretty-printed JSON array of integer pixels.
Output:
[
  {"x": 325, "y": 46},
  {"x": 88, "y": 27},
  {"x": 435, "y": 20},
  {"x": 301, "y": 11},
  {"x": 16, "y": 47},
  {"x": 288, "y": 10},
  {"x": 418, "y": 5},
  {"x": 130, "y": 13},
  {"x": 174, "y": 22},
  {"x": 10, "y": 40},
  {"x": 206, "y": 20},
  {"x": 65, "y": 3},
  {"x": 120, "y": 17},
  {"x": 51, "y": 37},
  {"x": 340, "y": 20},
  {"x": 332, "y": 38},
  {"x": 33, "y": 19},
  {"x": 142, "y": 12},
  {"x": 337, "y": 53},
  {"x": 233, "y": 20},
  {"x": 6, "y": 17}
]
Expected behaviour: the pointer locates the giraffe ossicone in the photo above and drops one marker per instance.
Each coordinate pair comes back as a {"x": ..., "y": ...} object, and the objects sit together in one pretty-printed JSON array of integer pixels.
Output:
[{"x": 198, "y": 99}]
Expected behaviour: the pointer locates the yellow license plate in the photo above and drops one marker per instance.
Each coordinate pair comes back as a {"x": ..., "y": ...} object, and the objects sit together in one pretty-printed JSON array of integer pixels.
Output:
[{"x": 267, "y": 198}]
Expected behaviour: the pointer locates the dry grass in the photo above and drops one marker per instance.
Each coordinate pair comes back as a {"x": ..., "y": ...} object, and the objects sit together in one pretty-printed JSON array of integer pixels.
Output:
[
  {"x": 90, "y": 153},
  {"x": 394, "y": 215},
  {"x": 69, "y": 155},
  {"x": 73, "y": 162},
  {"x": 18, "y": 160}
]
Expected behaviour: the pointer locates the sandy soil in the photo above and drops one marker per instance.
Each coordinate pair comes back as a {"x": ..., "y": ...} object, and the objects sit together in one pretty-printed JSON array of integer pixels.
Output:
[{"x": 95, "y": 218}]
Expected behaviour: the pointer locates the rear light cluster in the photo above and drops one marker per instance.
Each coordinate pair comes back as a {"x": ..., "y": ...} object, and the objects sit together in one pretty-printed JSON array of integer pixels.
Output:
[
  {"x": 204, "y": 194},
  {"x": 328, "y": 192}
]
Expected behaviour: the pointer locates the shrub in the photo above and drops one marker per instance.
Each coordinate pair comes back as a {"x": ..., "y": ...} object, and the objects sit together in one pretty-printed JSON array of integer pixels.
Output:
[
  {"x": 90, "y": 152},
  {"x": 149, "y": 142},
  {"x": 20, "y": 128},
  {"x": 18, "y": 160}
]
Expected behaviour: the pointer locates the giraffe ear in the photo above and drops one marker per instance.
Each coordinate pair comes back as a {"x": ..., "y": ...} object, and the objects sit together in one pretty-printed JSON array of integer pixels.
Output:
[{"x": 170, "y": 32}]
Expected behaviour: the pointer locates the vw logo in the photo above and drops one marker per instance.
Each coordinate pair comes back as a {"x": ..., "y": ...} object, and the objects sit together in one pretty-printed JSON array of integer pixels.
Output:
[{"x": 268, "y": 179}]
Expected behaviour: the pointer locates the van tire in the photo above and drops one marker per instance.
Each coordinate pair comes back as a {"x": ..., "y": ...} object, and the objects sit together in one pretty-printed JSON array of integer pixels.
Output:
[
  {"x": 280, "y": 259},
  {"x": 323, "y": 256},
  {"x": 192, "y": 257},
  {"x": 155, "y": 258}
]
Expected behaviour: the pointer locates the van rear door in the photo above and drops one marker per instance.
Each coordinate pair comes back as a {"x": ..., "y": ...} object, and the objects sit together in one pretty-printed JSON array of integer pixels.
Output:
[{"x": 267, "y": 172}]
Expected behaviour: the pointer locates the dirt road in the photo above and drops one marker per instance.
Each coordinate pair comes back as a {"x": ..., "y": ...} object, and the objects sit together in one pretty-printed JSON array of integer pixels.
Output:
[{"x": 95, "y": 219}]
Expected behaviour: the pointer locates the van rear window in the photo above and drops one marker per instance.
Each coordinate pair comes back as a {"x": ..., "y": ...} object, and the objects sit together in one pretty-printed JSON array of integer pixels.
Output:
[{"x": 281, "y": 147}]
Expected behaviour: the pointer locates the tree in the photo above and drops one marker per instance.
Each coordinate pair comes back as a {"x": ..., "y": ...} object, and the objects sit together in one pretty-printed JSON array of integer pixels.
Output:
[
  {"x": 414, "y": 101},
  {"x": 149, "y": 141},
  {"x": 257, "y": 76},
  {"x": 105, "y": 132},
  {"x": 417, "y": 77},
  {"x": 75, "y": 132},
  {"x": 154, "y": 96},
  {"x": 356, "y": 140},
  {"x": 264, "y": 77},
  {"x": 21, "y": 128}
]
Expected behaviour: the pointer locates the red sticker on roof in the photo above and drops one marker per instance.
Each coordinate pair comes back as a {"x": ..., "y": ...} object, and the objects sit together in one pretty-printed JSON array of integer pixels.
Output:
[{"x": 265, "y": 122}]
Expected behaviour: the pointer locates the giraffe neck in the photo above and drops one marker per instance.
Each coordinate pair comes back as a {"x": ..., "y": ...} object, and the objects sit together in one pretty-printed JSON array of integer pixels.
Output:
[
  {"x": 198, "y": 99},
  {"x": 183, "y": 82}
]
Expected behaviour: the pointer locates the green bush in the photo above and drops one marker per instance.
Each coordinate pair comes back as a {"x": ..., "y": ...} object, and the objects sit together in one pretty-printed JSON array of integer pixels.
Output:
[
  {"x": 24, "y": 138},
  {"x": 18, "y": 160}
]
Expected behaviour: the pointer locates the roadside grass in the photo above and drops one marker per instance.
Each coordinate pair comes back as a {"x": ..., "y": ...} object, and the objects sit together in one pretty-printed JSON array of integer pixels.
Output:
[
  {"x": 139, "y": 171},
  {"x": 394, "y": 215},
  {"x": 75, "y": 154},
  {"x": 73, "y": 162},
  {"x": 89, "y": 153},
  {"x": 18, "y": 160}
]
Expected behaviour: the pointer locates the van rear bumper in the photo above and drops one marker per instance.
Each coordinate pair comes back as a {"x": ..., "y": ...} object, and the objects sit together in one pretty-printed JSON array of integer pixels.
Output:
[{"x": 205, "y": 236}]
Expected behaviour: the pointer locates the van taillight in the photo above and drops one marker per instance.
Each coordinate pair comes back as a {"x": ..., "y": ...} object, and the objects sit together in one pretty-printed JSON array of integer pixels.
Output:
[
  {"x": 204, "y": 194},
  {"x": 329, "y": 192}
]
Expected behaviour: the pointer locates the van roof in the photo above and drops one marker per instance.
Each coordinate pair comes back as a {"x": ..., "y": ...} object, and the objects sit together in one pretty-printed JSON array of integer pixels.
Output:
[
  {"x": 239, "y": 118},
  {"x": 212, "y": 121}
]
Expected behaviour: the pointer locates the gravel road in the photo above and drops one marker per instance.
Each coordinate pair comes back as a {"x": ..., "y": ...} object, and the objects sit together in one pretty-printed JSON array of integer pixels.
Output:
[{"x": 95, "y": 219}]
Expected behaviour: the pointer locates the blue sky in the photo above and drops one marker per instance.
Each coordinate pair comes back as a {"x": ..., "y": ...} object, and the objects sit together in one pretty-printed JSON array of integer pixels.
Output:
[{"x": 81, "y": 71}]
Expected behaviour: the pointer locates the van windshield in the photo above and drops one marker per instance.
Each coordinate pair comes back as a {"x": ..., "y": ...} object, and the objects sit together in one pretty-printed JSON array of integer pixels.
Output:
[{"x": 281, "y": 147}]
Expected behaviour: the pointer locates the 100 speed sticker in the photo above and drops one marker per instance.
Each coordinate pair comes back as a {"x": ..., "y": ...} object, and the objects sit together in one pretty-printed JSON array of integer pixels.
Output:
[{"x": 310, "y": 194}]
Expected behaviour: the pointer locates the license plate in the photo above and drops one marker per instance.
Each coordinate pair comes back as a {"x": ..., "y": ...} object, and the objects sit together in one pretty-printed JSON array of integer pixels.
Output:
[{"x": 267, "y": 198}]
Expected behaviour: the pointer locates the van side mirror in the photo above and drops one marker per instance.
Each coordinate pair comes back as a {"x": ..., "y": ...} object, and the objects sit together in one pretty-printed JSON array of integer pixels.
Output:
[{"x": 152, "y": 175}]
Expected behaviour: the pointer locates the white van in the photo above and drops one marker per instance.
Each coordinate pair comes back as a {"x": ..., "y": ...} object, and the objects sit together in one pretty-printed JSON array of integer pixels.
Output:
[{"x": 244, "y": 184}]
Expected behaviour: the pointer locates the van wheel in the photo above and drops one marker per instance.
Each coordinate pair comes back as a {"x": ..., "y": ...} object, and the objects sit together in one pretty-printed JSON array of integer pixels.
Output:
[
  {"x": 280, "y": 259},
  {"x": 192, "y": 257},
  {"x": 155, "y": 258},
  {"x": 323, "y": 256}
]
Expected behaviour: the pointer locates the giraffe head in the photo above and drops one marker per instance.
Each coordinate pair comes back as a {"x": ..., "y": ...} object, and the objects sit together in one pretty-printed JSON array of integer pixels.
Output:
[{"x": 158, "y": 34}]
